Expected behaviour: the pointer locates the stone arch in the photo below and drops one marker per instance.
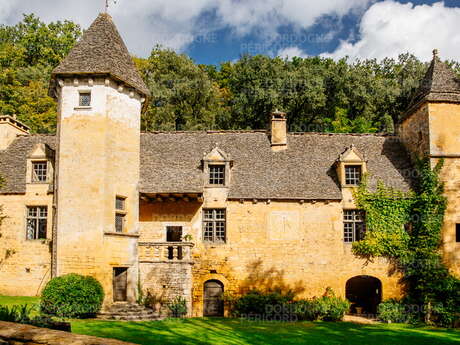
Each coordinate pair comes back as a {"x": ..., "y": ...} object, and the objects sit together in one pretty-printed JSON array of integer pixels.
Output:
[
  {"x": 365, "y": 293},
  {"x": 213, "y": 293}
]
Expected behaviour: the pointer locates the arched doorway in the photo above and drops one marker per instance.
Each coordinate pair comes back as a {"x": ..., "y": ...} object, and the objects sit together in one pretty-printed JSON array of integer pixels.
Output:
[
  {"x": 213, "y": 298},
  {"x": 364, "y": 293}
]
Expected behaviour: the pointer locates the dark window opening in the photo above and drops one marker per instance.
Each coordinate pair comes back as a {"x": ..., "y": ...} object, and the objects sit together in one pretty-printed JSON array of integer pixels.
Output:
[
  {"x": 214, "y": 225},
  {"x": 36, "y": 222},
  {"x": 457, "y": 233},
  {"x": 353, "y": 225},
  {"x": 217, "y": 174},
  {"x": 174, "y": 234},
  {"x": 352, "y": 175}
]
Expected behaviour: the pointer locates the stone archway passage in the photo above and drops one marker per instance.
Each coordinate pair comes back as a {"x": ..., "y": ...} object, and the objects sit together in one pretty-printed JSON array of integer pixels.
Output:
[
  {"x": 213, "y": 298},
  {"x": 364, "y": 293}
]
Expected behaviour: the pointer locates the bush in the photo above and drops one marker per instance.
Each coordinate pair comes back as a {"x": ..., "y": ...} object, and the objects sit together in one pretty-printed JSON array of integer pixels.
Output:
[
  {"x": 178, "y": 307},
  {"x": 257, "y": 304},
  {"x": 72, "y": 295},
  {"x": 393, "y": 310},
  {"x": 279, "y": 306},
  {"x": 21, "y": 314},
  {"x": 327, "y": 308}
]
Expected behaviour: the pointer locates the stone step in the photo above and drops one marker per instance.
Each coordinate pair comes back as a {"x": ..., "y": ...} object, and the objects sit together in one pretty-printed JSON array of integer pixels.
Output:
[{"x": 128, "y": 312}]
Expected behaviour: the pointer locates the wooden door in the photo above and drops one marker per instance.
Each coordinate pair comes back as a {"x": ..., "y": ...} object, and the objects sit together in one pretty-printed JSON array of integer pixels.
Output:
[
  {"x": 120, "y": 283},
  {"x": 213, "y": 298}
]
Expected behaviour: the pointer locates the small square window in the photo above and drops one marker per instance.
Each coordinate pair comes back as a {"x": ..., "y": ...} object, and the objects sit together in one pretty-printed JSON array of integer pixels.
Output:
[
  {"x": 217, "y": 174},
  {"x": 457, "y": 233},
  {"x": 85, "y": 99},
  {"x": 40, "y": 171},
  {"x": 352, "y": 175}
]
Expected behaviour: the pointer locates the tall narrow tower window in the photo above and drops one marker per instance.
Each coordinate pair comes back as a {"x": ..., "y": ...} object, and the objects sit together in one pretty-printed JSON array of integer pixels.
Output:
[
  {"x": 120, "y": 213},
  {"x": 85, "y": 99}
]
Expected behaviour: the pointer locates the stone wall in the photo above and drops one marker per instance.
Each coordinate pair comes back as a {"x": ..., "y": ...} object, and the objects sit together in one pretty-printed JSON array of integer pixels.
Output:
[
  {"x": 293, "y": 245},
  {"x": 26, "y": 270},
  {"x": 17, "y": 334}
]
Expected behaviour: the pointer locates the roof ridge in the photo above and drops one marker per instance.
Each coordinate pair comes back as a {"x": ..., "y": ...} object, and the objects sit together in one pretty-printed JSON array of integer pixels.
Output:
[{"x": 264, "y": 131}]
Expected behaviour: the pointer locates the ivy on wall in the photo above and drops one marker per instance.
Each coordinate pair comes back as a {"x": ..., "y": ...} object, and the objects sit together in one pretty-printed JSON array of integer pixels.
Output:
[{"x": 406, "y": 228}]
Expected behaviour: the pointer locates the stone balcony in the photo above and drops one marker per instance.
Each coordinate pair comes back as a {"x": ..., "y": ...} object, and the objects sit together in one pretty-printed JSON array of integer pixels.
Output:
[{"x": 165, "y": 252}]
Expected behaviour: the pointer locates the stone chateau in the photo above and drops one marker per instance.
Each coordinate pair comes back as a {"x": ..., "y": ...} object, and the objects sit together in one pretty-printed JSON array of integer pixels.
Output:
[{"x": 198, "y": 214}]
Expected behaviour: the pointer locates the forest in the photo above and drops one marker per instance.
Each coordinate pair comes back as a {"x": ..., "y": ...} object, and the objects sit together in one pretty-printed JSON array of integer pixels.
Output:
[{"x": 318, "y": 94}]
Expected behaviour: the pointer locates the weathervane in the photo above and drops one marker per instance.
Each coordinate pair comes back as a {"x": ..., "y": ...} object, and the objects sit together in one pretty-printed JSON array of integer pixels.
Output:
[{"x": 107, "y": 4}]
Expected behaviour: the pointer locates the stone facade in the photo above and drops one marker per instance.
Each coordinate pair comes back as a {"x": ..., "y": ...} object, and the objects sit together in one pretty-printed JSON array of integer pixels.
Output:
[{"x": 243, "y": 210}]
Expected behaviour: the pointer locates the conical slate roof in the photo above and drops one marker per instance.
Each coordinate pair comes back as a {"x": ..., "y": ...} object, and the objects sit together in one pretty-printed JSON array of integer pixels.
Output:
[
  {"x": 440, "y": 84},
  {"x": 101, "y": 50}
]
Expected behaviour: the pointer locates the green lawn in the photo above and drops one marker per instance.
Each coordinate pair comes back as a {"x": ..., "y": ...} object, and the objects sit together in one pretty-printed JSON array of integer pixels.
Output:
[
  {"x": 237, "y": 332},
  {"x": 12, "y": 300}
]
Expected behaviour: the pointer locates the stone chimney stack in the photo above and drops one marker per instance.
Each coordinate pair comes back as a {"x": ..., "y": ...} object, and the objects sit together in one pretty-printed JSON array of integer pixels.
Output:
[
  {"x": 10, "y": 128},
  {"x": 278, "y": 130}
]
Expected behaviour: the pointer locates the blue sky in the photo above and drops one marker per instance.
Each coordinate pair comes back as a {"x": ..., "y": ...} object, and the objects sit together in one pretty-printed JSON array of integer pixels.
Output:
[{"x": 212, "y": 31}]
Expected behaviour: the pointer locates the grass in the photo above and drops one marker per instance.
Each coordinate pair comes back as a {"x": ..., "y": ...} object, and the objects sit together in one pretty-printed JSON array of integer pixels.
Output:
[
  {"x": 238, "y": 332},
  {"x": 14, "y": 300},
  {"x": 220, "y": 331}
]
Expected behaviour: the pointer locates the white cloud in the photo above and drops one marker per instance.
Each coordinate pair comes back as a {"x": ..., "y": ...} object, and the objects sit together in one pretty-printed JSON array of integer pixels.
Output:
[
  {"x": 389, "y": 28},
  {"x": 176, "y": 23},
  {"x": 290, "y": 52}
]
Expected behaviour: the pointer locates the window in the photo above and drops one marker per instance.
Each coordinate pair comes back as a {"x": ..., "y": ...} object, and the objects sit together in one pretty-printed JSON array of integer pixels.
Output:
[
  {"x": 457, "y": 233},
  {"x": 120, "y": 203},
  {"x": 120, "y": 213},
  {"x": 214, "y": 225},
  {"x": 36, "y": 222},
  {"x": 353, "y": 225},
  {"x": 85, "y": 99},
  {"x": 174, "y": 234},
  {"x": 40, "y": 171},
  {"x": 217, "y": 174},
  {"x": 352, "y": 175}
]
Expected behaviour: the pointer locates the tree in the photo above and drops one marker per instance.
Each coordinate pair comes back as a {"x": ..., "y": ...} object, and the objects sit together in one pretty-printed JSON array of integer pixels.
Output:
[
  {"x": 29, "y": 51},
  {"x": 183, "y": 96}
]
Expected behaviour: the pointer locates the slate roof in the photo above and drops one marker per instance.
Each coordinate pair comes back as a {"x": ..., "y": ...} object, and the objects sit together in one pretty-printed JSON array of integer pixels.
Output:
[
  {"x": 101, "y": 50},
  {"x": 13, "y": 161},
  {"x": 440, "y": 84},
  {"x": 172, "y": 162}
]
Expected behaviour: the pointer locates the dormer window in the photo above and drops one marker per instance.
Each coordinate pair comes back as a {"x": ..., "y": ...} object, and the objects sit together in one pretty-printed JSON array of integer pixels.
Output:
[
  {"x": 351, "y": 166},
  {"x": 352, "y": 175},
  {"x": 40, "y": 171},
  {"x": 84, "y": 99},
  {"x": 217, "y": 174},
  {"x": 216, "y": 169}
]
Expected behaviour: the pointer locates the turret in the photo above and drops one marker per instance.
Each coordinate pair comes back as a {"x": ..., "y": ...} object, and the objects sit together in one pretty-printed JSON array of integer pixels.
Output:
[
  {"x": 100, "y": 98},
  {"x": 431, "y": 128}
]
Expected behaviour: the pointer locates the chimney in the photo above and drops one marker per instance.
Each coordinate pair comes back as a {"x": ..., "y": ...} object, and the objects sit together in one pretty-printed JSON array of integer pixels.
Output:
[
  {"x": 278, "y": 131},
  {"x": 10, "y": 128}
]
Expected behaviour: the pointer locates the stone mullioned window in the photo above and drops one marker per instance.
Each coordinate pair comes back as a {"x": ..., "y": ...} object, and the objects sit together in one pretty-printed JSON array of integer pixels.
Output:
[
  {"x": 214, "y": 225},
  {"x": 37, "y": 220}
]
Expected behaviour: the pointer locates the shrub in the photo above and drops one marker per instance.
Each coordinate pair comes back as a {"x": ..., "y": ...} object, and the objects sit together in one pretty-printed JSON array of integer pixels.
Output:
[
  {"x": 72, "y": 295},
  {"x": 178, "y": 307},
  {"x": 396, "y": 311},
  {"x": 22, "y": 314},
  {"x": 266, "y": 305},
  {"x": 327, "y": 308}
]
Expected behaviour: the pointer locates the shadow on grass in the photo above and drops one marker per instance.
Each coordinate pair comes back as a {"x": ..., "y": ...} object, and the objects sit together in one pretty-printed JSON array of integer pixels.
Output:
[{"x": 236, "y": 331}]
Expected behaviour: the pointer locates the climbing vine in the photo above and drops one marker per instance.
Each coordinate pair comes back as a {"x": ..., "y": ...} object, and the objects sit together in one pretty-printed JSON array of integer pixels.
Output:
[{"x": 405, "y": 227}]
